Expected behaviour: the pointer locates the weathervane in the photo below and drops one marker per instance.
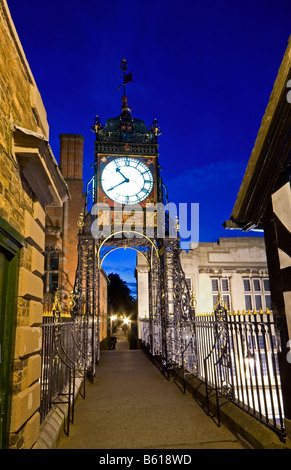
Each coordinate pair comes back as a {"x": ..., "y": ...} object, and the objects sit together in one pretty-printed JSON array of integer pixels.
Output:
[{"x": 126, "y": 77}]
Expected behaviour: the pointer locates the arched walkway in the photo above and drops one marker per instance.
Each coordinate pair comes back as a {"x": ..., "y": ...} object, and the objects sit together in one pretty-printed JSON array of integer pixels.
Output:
[{"x": 132, "y": 406}]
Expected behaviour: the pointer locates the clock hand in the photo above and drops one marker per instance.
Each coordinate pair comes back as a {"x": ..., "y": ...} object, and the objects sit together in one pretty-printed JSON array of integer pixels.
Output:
[
  {"x": 125, "y": 181},
  {"x": 119, "y": 171}
]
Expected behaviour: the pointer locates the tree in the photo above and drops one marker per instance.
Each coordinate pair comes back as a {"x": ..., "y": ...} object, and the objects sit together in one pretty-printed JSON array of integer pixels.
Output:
[
  {"x": 119, "y": 298},
  {"x": 120, "y": 301}
]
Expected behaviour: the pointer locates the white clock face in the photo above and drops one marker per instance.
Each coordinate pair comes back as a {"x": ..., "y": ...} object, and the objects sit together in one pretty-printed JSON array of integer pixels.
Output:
[{"x": 127, "y": 180}]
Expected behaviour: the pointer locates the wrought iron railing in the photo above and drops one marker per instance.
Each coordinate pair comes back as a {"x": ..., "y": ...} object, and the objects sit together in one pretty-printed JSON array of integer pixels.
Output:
[
  {"x": 64, "y": 361},
  {"x": 236, "y": 355}
]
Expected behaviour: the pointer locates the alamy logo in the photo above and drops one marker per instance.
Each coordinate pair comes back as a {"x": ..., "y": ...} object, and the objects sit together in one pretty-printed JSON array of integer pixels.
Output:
[{"x": 154, "y": 221}]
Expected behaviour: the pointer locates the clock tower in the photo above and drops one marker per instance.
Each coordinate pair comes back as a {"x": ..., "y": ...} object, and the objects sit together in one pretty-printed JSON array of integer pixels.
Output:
[
  {"x": 127, "y": 170},
  {"x": 127, "y": 179}
]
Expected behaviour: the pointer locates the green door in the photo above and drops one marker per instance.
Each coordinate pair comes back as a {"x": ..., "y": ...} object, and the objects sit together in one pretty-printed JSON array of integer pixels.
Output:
[{"x": 4, "y": 367}]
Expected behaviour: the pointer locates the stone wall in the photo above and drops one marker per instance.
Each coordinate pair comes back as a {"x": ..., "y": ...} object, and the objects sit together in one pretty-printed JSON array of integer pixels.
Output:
[{"x": 21, "y": 108}]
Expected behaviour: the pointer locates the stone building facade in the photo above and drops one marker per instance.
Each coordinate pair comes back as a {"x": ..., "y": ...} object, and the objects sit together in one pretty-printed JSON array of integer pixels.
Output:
[
  {"x": 30, "y": 180},
  {"x": 235, "y": 268},
  {"x": 61, "y": 227}
]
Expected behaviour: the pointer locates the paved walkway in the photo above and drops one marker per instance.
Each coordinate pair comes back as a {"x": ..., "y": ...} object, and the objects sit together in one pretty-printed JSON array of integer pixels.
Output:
[
  {"x": 132, "y": 406},
  {"x": 122, "y": 343}
]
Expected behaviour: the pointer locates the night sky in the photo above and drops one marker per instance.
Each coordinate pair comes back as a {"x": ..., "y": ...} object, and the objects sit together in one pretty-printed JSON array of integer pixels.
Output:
[{"x": 205, "y": 70}]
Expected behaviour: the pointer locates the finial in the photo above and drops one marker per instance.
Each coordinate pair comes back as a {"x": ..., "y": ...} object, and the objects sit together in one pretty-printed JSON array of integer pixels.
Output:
[
  {"x": 57, "y": 309},
  {"x": 193, "y": 301},
  {"x": 80, "y": 222},
  {"x": 124, "y": 65},
  {"x": 126, "y": 79},
  {"x": 176, "y": 224},
  {"x": 155, "y": 130},
  {"x": 71, "y": 302},
  {"x": 97, "y": 126}
]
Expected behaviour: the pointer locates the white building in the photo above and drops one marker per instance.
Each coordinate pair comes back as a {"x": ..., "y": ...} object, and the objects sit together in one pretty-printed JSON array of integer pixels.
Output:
[{"x": 235, "y": 267}]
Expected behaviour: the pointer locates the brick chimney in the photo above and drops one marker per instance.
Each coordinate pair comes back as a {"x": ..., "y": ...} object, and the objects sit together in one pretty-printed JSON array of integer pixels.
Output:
[
  {"x": 71, "y": 166},
  {"x": 71, "y": 156}
]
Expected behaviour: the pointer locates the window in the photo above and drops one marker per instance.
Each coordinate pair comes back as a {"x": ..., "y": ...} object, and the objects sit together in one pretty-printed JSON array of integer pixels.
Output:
[
  {"x": 257, "y": 285},
  {"x": 214, "y": 300},
  {"x": 247, "y": 285},
  {"x": 221, "y": 285},
  {"x": 266, "y": 284},
  {"x": 189, "y": 283},
  {"x": 226, "y": 301},
  {"x": 258, "y": 302},
  {"x": 53, "y": 261},
  {"x": 214, "y": 283},
  {"x": 224, "y": 285},
  {"x": 51, "y": 272},
  {"x": 267, "y": 296},
  {"x": 53, "y": 282},
  {"x": 248, "y": 302},
  {"x": 255, "y": 300},
  {"x": 268, "y": 302}
]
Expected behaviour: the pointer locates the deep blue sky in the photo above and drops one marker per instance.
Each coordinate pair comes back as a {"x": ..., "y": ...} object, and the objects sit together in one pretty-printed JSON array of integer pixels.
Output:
[{"x": 205, "y": 70}]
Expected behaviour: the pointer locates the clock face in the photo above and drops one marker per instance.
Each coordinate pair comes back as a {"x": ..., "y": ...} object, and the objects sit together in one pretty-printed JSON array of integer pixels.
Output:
[{"x": 127, "y": 180}]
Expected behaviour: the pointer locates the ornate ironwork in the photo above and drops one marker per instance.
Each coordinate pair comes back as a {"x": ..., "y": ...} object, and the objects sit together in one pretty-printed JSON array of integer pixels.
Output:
[
  {"x": 169, "y": 329},
  {"x": 63, "y": 360},
  {"x": 86, "y": 309},
  {"x": 217, "y": 363},
  {"x": 171, "y": 310}
]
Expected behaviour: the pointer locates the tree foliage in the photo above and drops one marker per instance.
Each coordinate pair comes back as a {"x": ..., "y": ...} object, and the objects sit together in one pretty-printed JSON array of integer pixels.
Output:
[{"x": 119, "y": 298}]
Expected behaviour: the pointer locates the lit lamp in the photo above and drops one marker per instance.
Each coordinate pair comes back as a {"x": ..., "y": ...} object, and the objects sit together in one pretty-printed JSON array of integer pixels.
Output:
[{"x": 250, "y": 359}]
